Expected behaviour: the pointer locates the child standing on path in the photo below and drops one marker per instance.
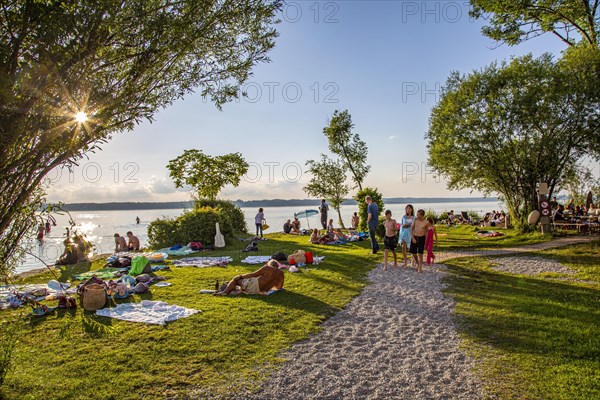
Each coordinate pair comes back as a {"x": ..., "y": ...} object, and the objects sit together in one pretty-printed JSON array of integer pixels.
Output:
[
  {"x": 417, "y": 245},
  {"x": 390, "y": 241},
  {"x": 429, "y": 240},
  {"x": 405, "y": 236},
  {"x": 258, "y": 221}
]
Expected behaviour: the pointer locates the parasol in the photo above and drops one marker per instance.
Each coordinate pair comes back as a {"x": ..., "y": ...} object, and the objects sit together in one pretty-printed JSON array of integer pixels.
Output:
[{"x": 306, "y": 214}]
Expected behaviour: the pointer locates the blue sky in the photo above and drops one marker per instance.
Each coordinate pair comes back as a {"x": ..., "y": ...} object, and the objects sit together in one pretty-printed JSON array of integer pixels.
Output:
[{"x": 384, "y": 61}]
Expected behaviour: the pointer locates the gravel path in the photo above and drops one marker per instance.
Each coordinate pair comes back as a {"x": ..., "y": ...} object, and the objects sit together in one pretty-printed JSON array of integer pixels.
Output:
[
  {"x": 396, "y": 340},
  {"x": 528, "y": 265}
]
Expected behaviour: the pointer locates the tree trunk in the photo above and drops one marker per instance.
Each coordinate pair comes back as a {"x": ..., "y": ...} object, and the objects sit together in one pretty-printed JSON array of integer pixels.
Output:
[{"x": 341, "y": 222}]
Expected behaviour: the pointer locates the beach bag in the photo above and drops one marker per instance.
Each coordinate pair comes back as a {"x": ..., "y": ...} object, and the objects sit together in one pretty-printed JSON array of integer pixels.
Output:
[
  {"x": 297, "y": 257},
  {"x": 140, "y": 265},
  {"x": 265, "y": 226},
  {"x": 309, "y": 257},
  {"x": 93, "y": 297}
]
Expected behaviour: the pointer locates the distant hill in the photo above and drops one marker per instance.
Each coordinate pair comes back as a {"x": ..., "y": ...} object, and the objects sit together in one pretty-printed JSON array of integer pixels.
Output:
[{"x": 262, "y": 203}]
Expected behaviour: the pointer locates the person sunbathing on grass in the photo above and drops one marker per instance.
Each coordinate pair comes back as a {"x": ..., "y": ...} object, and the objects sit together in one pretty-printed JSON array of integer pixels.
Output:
[{"x": 258, "y": 282}]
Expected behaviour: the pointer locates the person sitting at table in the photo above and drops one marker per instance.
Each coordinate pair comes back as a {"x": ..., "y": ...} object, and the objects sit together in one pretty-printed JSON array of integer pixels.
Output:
[
  {"x": 593, "y": 211},
  {"x": 571, "y": 205},
  {"x": 559, "y": 214},
  {"x": 287, "y": 227},
  {"x": 296, "y": 227},
  {"x": 578, "y": 211}
]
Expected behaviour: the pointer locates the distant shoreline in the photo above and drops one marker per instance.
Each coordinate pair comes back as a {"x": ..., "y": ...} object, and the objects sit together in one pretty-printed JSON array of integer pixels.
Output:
[{"x": 261, "y": 203}]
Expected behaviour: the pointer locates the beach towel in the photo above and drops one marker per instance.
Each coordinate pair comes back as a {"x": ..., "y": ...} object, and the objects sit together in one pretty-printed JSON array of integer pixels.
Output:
[
  {"x": 181, "y": 251},
  {"x": 203, "y": 262},
  {"x": 256, "y": 259},
  {"x": 102, "y": 273},
  {"x": 147, "y": 312}
]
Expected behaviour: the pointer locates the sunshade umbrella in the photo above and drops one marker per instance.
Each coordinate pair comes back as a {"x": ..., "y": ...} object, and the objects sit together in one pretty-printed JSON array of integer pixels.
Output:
[
  {"x": 306, "y": 214},
  {"x": 589, "y": 200}
]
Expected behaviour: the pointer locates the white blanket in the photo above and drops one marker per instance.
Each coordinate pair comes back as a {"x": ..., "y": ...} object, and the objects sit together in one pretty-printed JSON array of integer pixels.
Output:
[
  {"x": 148, "y": 312},
  {"x": 202, "y": 262},
  {"x": 256, "y": 259}
]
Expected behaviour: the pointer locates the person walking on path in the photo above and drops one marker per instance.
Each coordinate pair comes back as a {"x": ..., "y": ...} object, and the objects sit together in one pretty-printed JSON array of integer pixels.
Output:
[
  {"x": 372, "y": 221},
  {"x": 323, "y": 208},
  {"x": 405, "y": 236},
  {"x": 259, "y": 220},
  {"x": 390, "y": 241},
  {"x": 430, "y": 239}
]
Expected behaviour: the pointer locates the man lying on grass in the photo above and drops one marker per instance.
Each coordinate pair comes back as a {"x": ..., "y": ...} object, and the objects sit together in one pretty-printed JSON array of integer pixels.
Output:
[{"x": 258, "y": 282}]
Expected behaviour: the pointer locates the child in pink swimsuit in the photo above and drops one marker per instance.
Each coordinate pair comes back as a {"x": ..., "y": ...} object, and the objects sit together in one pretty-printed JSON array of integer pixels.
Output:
[{"x": 429, "y": 240}]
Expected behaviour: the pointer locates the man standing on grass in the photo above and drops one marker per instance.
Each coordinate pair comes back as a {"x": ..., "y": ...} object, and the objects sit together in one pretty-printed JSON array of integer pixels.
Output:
[
  {"x": 323, "y": 209},
  {"x": 372, "y": 221}
]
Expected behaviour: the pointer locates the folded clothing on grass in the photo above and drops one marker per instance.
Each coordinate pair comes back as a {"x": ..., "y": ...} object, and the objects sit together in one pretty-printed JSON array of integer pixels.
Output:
[
  {"x": 256, "y": 259},
  {"x": 148, "y": 312}
]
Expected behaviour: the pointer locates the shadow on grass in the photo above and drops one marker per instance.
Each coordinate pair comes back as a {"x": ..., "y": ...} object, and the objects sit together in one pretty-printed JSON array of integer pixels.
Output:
[
  {"x": 298, "y": 301},
  {"x": 526, "y": 315}
]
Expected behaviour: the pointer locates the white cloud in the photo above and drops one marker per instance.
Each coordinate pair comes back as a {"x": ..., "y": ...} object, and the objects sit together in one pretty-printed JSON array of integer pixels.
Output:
[{"x": 392, "y": 137}]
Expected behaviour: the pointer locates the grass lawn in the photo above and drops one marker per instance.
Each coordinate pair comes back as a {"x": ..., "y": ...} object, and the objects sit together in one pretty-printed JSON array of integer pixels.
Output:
[
  {"x": 534, "y": 337},
  {"x": 465, "y": 237},
  {"x": 234, "y": 339}
]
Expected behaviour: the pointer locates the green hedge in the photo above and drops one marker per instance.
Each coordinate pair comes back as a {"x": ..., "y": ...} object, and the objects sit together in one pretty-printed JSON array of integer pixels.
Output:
[
  {"x": 229, "y": 211},
  {"x": 197, "y": 225}
]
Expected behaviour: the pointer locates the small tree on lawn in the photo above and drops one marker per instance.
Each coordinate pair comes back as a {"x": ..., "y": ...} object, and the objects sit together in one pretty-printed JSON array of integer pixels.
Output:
[
  {"x": 348, "y": 145},
  {"x": 207, "y": 175},
  {"x": 377, "y": 198},
  {"x": 329, "y": 182}
]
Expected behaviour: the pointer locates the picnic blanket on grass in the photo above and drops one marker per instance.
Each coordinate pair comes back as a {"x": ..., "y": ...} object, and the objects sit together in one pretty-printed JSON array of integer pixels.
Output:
[
  {"x": 183, "y": 251},
  {"x": 256, "y": 259},
  {"x": 148, "y": 312},
  {"x": 102, "y": 273},
  {"x": 203, "y": 262}
]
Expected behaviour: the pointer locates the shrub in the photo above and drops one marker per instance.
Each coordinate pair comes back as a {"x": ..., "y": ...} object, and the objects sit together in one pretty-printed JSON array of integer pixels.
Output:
[
  {"x": 362, "y": 205},
  {"x": 228, "y": 211},
  {"x": 443, "y": 216},
  {"x": 433, "y": 215},
  {"x": 380, "y": 230},
  {"x": 197, "y": 225}
]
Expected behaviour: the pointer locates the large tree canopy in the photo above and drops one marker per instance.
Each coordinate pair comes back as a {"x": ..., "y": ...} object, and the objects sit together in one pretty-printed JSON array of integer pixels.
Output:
[
  {"x": 507, "y": 127},
  {"x": 207, "y": 175},
  {"x": 115, "y": 61},
  {"x": 514, "y": 21},
  {"x": 347, "y": 145}
]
